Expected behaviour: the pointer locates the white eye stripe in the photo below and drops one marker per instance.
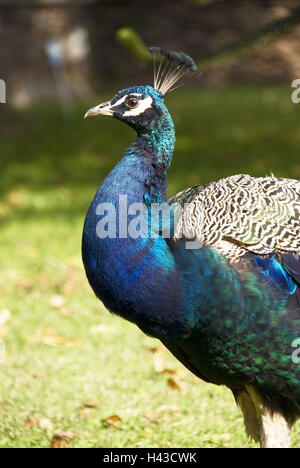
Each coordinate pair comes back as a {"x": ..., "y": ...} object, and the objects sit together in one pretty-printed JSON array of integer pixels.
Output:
[
  {"x": 119, "y": 102},
  {"x": 143, "y": 105},
  {"x": 122, "y": 99}
]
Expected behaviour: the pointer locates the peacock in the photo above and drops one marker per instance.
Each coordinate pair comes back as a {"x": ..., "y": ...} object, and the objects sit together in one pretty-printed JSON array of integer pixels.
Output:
[{"x": 213, "y": 273}]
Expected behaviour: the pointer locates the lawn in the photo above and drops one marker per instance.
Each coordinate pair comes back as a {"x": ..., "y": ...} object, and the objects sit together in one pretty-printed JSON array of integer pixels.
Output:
[{"x": 70, "y": 366}]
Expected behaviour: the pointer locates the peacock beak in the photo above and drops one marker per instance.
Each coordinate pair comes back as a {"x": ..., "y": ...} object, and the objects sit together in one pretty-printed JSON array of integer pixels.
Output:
[{"x": 101, "y": 109}]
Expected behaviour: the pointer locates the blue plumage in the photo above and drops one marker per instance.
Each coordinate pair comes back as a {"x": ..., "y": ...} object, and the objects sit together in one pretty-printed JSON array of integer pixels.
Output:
[
  {"x": 273, "y": 270},
  {"x": 229, "y": 322}
]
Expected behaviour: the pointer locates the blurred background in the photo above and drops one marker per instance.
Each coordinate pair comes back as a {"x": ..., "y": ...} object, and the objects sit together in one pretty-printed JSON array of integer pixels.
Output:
[{"x": 71, "y": 374}]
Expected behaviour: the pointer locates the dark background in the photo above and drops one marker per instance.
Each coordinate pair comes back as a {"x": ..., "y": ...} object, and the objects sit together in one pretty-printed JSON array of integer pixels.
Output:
[{"x": 233, "y": 41}]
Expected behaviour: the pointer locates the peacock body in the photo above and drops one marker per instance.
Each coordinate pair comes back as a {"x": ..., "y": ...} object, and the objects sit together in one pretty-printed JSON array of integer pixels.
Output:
[{"x": 229, "y": 307}]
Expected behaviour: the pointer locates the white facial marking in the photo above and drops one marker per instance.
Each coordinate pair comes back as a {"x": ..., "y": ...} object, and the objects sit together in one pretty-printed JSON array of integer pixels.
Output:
[
  {"x": 122, "y": 99},
  {"x": 142, "y": 106}
]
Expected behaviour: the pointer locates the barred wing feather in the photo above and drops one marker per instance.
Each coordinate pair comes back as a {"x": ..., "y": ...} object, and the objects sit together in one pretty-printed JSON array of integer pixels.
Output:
[{"x": 243, "y": 213}]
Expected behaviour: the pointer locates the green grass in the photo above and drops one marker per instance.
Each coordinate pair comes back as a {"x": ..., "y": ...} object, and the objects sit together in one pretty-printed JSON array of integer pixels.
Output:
[{"x": 59, "y": 356}]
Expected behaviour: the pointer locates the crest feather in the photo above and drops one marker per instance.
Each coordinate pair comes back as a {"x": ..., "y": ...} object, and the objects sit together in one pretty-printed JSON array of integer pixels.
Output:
[{"x": 177, "y": 64}]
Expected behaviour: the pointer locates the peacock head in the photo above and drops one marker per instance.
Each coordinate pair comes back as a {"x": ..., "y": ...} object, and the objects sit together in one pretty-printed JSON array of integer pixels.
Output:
[{"x": 143, "y": 107}]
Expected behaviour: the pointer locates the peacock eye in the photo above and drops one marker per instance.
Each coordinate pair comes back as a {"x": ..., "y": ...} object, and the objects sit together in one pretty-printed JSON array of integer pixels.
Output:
[{"x": 131, "y": 103}]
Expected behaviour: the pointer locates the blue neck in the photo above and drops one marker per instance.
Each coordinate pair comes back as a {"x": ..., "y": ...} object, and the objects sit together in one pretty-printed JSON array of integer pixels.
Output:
[
  {"x": 118, "y": 267},
  {"x": 158, "y": 142},
  {"x": 141, "y": 173}
]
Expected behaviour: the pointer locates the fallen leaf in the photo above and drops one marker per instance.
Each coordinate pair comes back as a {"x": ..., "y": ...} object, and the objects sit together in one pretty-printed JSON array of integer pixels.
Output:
[
  {"x": 65, "y": 311},
  {"x": 4, "y": 316},
  {"x": 91, "y": 403},
  {"x": 65, "y": 435},
  {"x": 86, "y": 413},
  {"x": 158, "y": 359},
  {"x": 52, "y": 340},
  {"x": 215, "y": 437},
  {"x": 102, "y": 328},
  {"x": 58, "y": 443},
  {"x": 149, "y": 432},
  {"x": 30, "y": 422},
  {"x": 169, "y": 371},
  {"x": 174, "y": 385},
  {"x": 171, "y": 408},
  {"x": 42, "y": 281},
  {"x": 25, "y": 284},
  {"x": 45, "y": 424},
  {"x": 73, "y": 342},
  {"x": 57, "y": 301},
  {"x": 45, "y": 331},
  {"x": 113, "y": 420},
  {"x": 49, "y": 337},
  {"x": 15, "y": 199},
  {"x": 153, "y": 416}
]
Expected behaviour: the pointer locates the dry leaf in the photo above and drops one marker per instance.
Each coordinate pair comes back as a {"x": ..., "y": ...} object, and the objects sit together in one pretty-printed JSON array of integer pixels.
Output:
[
  {"x": 15, "y": 199},
  {"x": 73, "y": 342},
  {"x": 31, "y": 421},
  {"x": 113, "y": 420},
  {"x": 174, "y": 385},
  {"x": 149, "y": 432},
  {"x": 48, "y": 336},
  {"x": 86, "y": 413},
  {"x": 4, "y": 316},
  {"x": 216, "y": 437},
  {"x": 45, "y": 331},
  {"x": 45, "y": 424},
  {"x": 25, "y": 284},
  {"x": 65, "y": 435},
  {"x": 102, "y": 328},
  {"x": 153, "y": 416},
  {"x": 169, "y": 408},
  {"x": 57, "y": 301},
  {"x": 65, "y": 311},
  {"x": 158, "y": 359},
  {"x": 57, "y": 442},
  {"x": 169, "y": 371},
  {"x": 183, "y": 371},
  {"x": 42, "y": 281},
  {"x": 52, "y": 340},
  {"x": 91, "y": 403}
]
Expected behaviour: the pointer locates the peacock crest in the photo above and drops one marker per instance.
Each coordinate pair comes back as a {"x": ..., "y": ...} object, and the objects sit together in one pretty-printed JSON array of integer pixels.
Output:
[{"x": 171, "y": 68}]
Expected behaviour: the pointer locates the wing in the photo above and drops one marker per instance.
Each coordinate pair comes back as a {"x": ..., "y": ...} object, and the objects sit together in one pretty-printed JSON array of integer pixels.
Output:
[
  {"x": 243, "y": 213},
  {"x": 255, "y": 225}
]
